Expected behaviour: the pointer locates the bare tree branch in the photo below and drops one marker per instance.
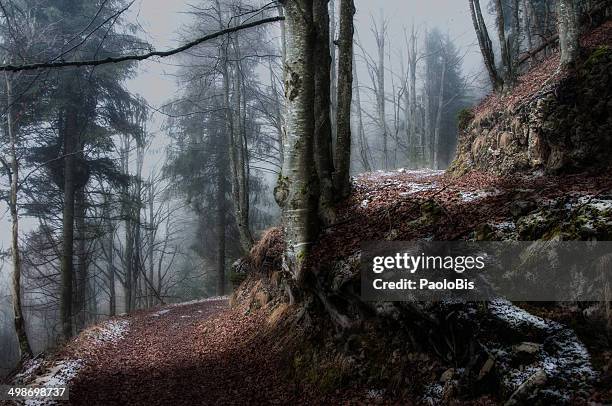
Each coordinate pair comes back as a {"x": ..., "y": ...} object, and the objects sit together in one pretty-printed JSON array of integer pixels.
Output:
[{"x": 162, "y": 54}]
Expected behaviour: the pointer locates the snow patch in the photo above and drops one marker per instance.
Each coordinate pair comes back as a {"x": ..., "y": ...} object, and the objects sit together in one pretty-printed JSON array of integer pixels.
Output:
[
  {"x": 197, "y": 301},
  {"x": 564, "y": 360},
  {"x": 28, "y": 369},
  {"x": 595, "y": 203},
  {"x": 160, "y": 313},
  {"x": 517, "y": 317},
  {"x": 60, "y": 374},
  {"x": 505, "y": 226},
  {"x": 418, "y": 187},
  {"x": 109, "y": 331},
  {"x": 477, "y": 195}
]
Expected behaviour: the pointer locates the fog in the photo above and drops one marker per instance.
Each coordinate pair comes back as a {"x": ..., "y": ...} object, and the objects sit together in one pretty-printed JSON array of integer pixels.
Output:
[{"x": 167, "y": 24}]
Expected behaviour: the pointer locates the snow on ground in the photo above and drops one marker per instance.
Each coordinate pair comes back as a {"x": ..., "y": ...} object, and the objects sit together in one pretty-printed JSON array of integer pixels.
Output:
[
  {"x": 28, "y": 369},
  {"x": 197, "y": 301},
  {"x": 479, "y": 194},
  {"x": 160, "y": 313},
  {"x": 564, "y": 360},
  {"x": 407, "y": 181},
  {"x": 416, "y": 173},
  {"x": 60, "y": 374},
  {"x": 108, "y": 331},
  {"x": 418, "y": 187},
  {"x": 596, "y": 203}
]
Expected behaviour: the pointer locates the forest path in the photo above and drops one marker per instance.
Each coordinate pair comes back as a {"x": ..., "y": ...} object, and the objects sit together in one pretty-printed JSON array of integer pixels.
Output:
[{"x": 195, "y": 353}]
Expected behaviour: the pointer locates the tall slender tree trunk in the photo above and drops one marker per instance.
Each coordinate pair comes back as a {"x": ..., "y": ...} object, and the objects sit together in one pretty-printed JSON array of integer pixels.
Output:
[
  {"x": 527, "y": 21},
  {"x": 71, "y": 140},
  {"x": 110, "y": 266},
  {"x": 323, "y": 126},
  {"x": 380, "y": 95},
  {"x": 138, "y": 270},
  {"x": 129, "y": 230},
  {"x": 18, "y": 319},
  {"x": 234, "y": 134},
  {"x": 345, "y": 96},
  {"x": 333, "y": 74},
  {"x": 412, "y": 64},
  {"x": 80, "y": 309},
  {"x": 297, "y": 189},
  {"x": 438, "y": 125},
  {"x": 221, "y": 223},
  {"x": 516, "y": 40},
  {"x": 501, "y": 35},
  {"x": 239, "y": 148},
  {"x": 569, "y": 32},
  {"x": 485, "y": 44},
  {"x": 152, "y": 233},
  {"x": 364, "y": 150}
]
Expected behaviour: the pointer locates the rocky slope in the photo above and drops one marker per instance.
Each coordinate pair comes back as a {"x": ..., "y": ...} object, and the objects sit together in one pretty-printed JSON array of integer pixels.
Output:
[{"x": 552, "y": 121}]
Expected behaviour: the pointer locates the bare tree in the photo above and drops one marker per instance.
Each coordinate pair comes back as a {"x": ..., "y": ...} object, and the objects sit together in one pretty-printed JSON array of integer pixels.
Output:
[
  {"x": 345, "y": 96},
  {"x": 486, "y": 46},
  {"x": 380, "y": 33},
  {"x": 322, "y": 111},
  {"x": 12, "y": 170},
  {"x": 364, "y": 150}
]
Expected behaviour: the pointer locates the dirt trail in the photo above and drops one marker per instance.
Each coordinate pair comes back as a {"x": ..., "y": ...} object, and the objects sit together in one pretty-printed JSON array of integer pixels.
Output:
[{"x": 201, "y": 353}]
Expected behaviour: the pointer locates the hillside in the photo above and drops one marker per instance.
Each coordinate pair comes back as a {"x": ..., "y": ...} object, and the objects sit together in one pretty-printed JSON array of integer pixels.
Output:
[
  {"x": 552, "y": 121},
  {"x": 263, "y": 349}
]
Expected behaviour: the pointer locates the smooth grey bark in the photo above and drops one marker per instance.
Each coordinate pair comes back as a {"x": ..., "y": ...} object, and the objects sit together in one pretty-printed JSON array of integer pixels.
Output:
[
  {"x": 333, "y": 73},
  {"x": 345, "y": 96},
  {"x": 13, "y": 172},
  {"x": 322, "y": 109},
  {"x": 297, "y": 189},
  {"x": 569, "y": 31},
  {"x": 485, "y": 44}
]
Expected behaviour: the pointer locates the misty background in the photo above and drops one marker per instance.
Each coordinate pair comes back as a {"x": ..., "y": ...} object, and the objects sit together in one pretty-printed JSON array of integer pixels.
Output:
[{"x": 161, "y": 82}]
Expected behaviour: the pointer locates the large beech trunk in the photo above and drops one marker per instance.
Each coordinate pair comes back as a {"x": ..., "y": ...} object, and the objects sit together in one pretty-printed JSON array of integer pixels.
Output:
[{"x": 297, "y": 188}]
